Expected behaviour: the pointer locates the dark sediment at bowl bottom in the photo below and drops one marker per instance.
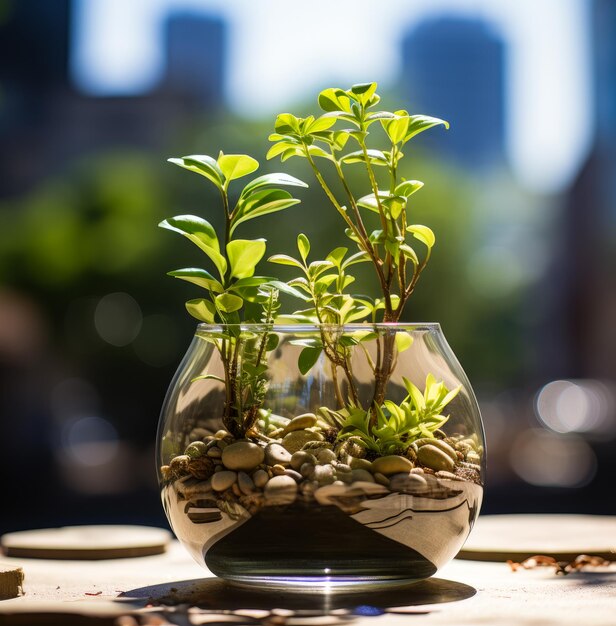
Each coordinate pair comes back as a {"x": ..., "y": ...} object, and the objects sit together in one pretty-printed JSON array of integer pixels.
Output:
[{"x": 306, "y": 541}]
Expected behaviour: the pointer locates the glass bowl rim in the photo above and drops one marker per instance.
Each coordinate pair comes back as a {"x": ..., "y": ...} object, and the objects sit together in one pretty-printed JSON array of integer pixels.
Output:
[{"x": 303, "y": 328}]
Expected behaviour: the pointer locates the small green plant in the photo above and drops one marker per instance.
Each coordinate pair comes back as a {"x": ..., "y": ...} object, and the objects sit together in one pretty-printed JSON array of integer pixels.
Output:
[
  {"x": 236, "y": 295},
  {"x": 397, "y": 425},
  {"x": 378, "y": 228},
  {"x": 388, "y": 246}
]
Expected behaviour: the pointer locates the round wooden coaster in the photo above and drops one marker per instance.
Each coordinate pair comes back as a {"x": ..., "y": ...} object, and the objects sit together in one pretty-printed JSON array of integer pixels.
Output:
[
  {"x": 11, "y": 581},
  {"x": 564, "y": 537},
  {"x": 86, "y": 542}
]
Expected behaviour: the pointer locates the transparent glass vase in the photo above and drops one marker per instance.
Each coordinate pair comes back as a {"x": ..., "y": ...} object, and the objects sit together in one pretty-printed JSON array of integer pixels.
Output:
[{"x": 318, "y": 455}]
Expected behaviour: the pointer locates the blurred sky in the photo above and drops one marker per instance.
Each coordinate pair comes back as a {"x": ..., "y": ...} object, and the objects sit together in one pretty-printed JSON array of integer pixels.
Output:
[{"x": 293, "y": 47}]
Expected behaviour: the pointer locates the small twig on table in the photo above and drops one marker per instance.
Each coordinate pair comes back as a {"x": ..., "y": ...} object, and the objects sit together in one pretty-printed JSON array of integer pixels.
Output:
[{"x": 560, "y": 567}]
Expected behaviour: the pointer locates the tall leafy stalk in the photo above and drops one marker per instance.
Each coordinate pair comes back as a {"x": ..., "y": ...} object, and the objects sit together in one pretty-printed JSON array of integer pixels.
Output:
[
  {"x": 389, "y": 246},
  {"x": 236, "y": 295}
]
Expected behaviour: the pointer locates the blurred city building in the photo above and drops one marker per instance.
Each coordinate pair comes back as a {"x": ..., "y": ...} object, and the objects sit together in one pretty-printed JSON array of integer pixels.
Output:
[
  {"x": 454, "y": 68},
  {"x": 45, "y": 122}
]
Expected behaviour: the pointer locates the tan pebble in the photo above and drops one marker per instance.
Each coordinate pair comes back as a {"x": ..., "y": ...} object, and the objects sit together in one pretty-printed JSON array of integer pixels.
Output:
[
  {"x": 236, "y": 490},
  {"x": 417, "y": 470},
  {"x": 214, "y": 452},
  {"x": 446, "y": 448},
  {"x": 223, "y": 480},
  {"x": 325, "y": 455},
  {"x": 166, "y": 473},
  {"x": 243, "y": 455},
  {"x": 307, "y": 420},
  {"x": 179, "y": 464},
  {"x": 245, "y": 483},
  {"x": 471, "y": 466},
  {"x": 307, "y": 470},
  {"x": 280, "y": 490},
  {"x": 297, "y": 439},
  {"x": 221, "y": 434},
  {"x": 447, "y": 475},
  {"x": 381, "y": 479},
  {"x": 278, "y": 420},
  {"x": 356, "y": 463},
  {"x": 435, "y": 458},
  {"x": 296, "y": 476},
  {"x": 323, "y": 474},
  {"x": 409, "y": 483},
  {"x": 300, "y": 457},
  {"x": 260, "y": 478},
  {"x": 277, "y": 470},
  {"x": 440, "y": 444},
  {"x": 473, "y": 457},
  {"x": 277, "y": 454},
  {"x": 362, "y": 475},
  {"x": 391, "y": 464}
]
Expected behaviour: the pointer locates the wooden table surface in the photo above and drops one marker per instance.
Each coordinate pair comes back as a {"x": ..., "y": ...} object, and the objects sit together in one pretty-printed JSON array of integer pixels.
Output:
[{"x": 464, "y": 592}]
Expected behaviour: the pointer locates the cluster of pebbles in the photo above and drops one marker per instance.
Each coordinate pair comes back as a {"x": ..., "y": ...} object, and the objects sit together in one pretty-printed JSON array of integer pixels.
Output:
[{"x": 296, "y": 459}]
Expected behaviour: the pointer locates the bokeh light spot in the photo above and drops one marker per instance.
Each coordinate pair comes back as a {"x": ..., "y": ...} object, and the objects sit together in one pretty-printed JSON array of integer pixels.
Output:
[
  {"x": 545, "y": 459},
  {"x": 583, "y": 406},
  {"x": 118, "y": 319},
  {"x": 90, "y": 441}
]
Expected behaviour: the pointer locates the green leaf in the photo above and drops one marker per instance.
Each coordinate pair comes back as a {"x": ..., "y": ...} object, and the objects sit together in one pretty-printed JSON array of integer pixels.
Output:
[
  {"x": 202, "y": 309},
  {"x": 261, "y": 203},
  {"x": 403, "y": 341},
  {"x": 340, "y": 138},
  {"x": 364, "y": 92},
  {"x": 303, "y": 245},
  {"x": 287, "y": 123},
  {"x": 281, "y": 147},
  {"x": 359, "y": 257},
  {"x": 334, "y": 99},
  {"x": 396, "y": 128},
  {"x": 337, "y": 255},
  {"x": 201, "y": 233},
  {"x": 409, "y": 253},
  {"x": 320, "y": 124},
  {"x": 376, "y": 236},
  {"x": 307, "y": 358},
  {"x": 319, "y": 152},
  {"x": 423, "y": 233},
  {"x": 414, "y": 394},
  {"x": 395, "y": 205},
  {"x": 236, "y": 165},
  {"x": 292, "y": 152},
  {"x": 277, "y": 178},
  {"x": 199, "y": 277},
  {"x": 285, "y": 259},
  {"x": 380, "y": 115},
  {"x": 201, "y": 164},
  {"x": 244, "y": 254},
  {"x": 318, "y": 267},
  {"x": 208, "y": 377},
  {"x": 252, "y": 281},
  {"x": 228, "y": 303},
  {"x": 288, "y": 289},
  {"x": 376, "y": 157},
  {"x": 419, "y": 123},
  {"x": 408, "y": 187}
]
